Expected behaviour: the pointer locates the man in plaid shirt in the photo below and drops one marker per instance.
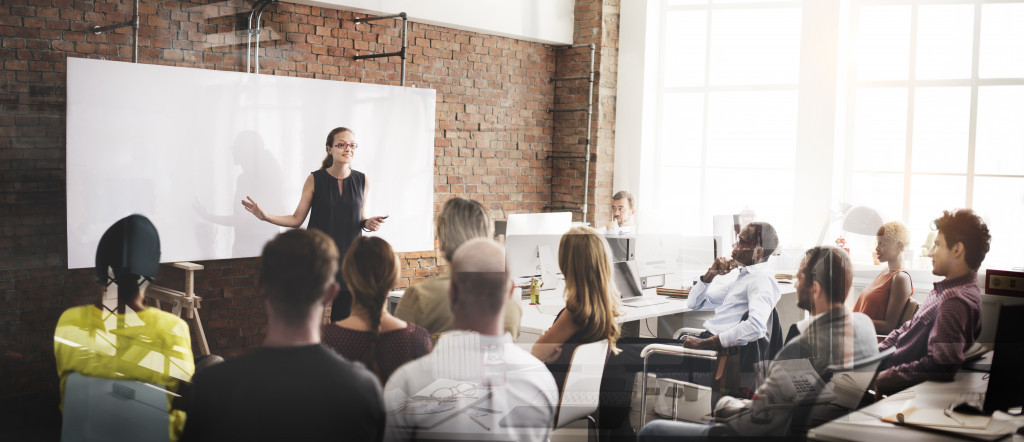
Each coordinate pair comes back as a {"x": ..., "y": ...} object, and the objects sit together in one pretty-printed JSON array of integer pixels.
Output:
[{"x": 931, "y": 345}]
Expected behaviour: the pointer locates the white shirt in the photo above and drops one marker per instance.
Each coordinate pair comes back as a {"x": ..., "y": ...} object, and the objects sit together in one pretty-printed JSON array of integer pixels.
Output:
[
  {"x": 754, "y": 290},
  {"x": 513, "y": 376}
]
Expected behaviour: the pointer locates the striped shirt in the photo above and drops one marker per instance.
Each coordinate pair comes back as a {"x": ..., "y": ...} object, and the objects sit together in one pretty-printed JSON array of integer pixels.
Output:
[{"x": 930, "y": 346}]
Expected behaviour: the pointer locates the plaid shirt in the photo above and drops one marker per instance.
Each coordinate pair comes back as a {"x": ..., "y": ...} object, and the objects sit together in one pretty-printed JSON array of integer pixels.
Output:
[{"x": 931, "y": 345}]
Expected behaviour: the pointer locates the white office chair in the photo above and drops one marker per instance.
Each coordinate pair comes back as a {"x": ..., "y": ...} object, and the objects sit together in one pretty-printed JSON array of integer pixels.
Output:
[
  {"x": 97, "y": 409},
  {"x": 579, "y": 399}
]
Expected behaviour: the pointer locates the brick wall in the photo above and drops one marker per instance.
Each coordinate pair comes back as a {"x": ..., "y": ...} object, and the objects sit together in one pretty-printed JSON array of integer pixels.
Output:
[{"x": 493, "y": 134}]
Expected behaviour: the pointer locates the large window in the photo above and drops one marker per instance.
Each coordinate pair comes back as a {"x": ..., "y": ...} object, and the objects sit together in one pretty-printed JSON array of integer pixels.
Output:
[
  {"x": 930, "y": 114},
  {"x": 727, "y": 117},
  {"x": 935, "y": 118}
]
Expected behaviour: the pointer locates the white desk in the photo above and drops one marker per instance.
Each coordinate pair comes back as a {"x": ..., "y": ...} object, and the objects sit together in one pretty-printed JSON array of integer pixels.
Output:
[{"x": 859, "y": 426}]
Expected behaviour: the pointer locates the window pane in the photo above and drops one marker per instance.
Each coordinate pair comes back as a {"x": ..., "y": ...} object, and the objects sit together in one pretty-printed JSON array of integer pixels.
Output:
[
  {"x": 685, "y": 47},
  {"x": 678, "y": 207},
  {"x": 682, "y": 127},
  {"x": 687, "y": 2},
  {"x": 752, "y": 129},
  {"x": 945, "y": 36},
  {"x": 941, "y": 124},
  {"x": 755, "y": 46},
  {"x": 882, "y": 44},
  {"x": 999, "y": 142},
  {"x": 880, "y": 129},
  {"x": 768, "y": 193},
  {"x": 1002, "y": 41},
  {"x": 880, "y": 191},
  {"x": 1000, "y": 202},
  {"x": 929, "y": 196}
]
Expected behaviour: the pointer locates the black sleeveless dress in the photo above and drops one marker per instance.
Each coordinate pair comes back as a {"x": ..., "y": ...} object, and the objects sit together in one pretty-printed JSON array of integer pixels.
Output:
[{"x": 338, "y": 212}]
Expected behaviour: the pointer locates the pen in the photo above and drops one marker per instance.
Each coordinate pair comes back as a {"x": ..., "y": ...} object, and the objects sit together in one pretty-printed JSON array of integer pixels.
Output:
[
  {"x": 950, "y": 414},
  {"x": 478, "y": 422}
]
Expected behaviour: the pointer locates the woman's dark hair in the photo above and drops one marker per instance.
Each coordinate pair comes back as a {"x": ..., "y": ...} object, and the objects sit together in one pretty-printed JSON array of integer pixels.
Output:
[
  {"x": 329, "y": 160},
  {"x": 965, "y": 227},
  {"x": 370, "y": 270}
]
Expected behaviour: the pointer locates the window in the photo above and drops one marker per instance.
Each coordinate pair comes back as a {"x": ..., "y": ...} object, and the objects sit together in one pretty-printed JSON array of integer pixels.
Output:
[
  {"x": 935, "y": 101},
  {"x": 727, "y": 112},
  {"x": 921, "y": 103}
]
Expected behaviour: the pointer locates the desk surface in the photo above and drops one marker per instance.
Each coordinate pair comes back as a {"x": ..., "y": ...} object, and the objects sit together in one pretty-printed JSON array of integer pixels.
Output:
[{"x": 860, "y": 425}]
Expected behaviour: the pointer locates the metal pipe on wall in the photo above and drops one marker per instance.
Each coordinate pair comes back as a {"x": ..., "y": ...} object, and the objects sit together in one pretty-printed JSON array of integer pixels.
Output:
[
  {"x": 401, "y": 53},
  {"x": 590, "y": 113},
  {"x": 134, "y": 22},
  {"x": 256, "y": 12}
]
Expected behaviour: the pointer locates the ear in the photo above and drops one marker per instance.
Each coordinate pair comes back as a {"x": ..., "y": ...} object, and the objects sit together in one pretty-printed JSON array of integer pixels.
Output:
[
  {"x": 453, "y": 296},
  {"x": 758, "y": 254},
  {"x": 330, "y": 293},
  {"x": 817, "y": 292},
  {"x": 957, "y": 250}
]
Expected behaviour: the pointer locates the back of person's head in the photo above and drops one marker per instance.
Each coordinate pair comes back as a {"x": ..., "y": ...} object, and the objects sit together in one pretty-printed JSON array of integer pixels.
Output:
[
  {"x": 461, "y": 220},
  {"x": 830, "y": 267},
  {"x": 767, "y": 238},
  {"x": 297, "y": 267},
  {"x": 896, "y": 232},
  {"x": 591, "y": 298},
  {"x": 628, "y": 197},
  {"x": 966, "y": 227},
  {"x": 130, "y": 249},
  {"x": 370, "y": 270},
  {"x": 480, "y": 278}
]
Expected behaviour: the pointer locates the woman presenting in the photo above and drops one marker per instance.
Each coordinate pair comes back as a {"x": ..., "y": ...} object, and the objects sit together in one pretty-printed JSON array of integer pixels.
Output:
[{"x": 335, "y": 195}]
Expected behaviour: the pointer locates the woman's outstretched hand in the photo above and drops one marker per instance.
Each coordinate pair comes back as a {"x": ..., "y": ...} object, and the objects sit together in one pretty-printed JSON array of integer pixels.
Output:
[{"x": 254, "y": 208}]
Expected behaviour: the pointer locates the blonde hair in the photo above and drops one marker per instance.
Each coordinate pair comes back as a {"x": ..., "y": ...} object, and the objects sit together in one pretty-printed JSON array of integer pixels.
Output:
[
  {"x": 461, "y": 220},
  {"x": 590, "y": 295},
  {"x": 895, "y": 231}
]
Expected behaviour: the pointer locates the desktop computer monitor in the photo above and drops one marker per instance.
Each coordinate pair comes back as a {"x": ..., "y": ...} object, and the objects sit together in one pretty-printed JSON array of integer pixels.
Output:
[
  {"x": 1005, "y": 389},
  {"x": 531, "y": 242}
]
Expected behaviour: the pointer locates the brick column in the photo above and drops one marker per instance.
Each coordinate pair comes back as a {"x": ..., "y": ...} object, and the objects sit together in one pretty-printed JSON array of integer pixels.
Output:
[{"x": 597, "y": 22}]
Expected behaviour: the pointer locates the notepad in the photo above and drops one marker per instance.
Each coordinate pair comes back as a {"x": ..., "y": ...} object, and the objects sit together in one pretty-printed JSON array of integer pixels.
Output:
[{"x": 933, "y": 417}]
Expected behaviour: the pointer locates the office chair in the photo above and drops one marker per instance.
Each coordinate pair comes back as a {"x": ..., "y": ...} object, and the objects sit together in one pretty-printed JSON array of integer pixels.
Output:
[
  {"x": 579, "y": 399},
  {"x": 97, "y": 409}
]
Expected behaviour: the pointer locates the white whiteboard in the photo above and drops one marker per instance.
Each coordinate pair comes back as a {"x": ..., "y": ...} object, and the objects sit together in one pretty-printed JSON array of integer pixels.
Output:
[{"x": 183, "y": 147}]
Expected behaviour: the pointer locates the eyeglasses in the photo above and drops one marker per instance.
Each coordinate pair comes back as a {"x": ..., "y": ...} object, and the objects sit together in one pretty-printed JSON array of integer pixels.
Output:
[
  {"x": 746, "y": 242},
  {"x": 449, "y": 394},
  {"x": 353, "y": 146}
]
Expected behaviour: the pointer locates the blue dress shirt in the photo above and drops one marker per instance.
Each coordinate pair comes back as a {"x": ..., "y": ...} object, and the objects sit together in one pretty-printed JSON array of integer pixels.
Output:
[{"x": 753, "y": 290}]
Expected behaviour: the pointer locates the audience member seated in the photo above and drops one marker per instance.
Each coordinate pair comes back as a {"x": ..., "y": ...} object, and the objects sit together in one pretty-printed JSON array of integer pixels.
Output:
[
  {"x": 370, "y": 334},
  {"x": 132, "y": 341},
  {"x": 591, "y": 302},
  {"x": 835, "y": 337},
  {"x": 426, "y": 304},
  {"x": 743, "y": 305},
  {"x": 623, "y": 209},
  {"x": 292, "y": 388},
  {"x": 930, "y": 347},
  {"x": 885, "y": 299},
  {"x": 475, "y": 361}
]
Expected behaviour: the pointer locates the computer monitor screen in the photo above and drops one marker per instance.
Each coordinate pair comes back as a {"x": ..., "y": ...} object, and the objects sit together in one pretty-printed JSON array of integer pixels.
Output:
[
  {"x": 530, "y": 235},
  {"x": 627, "y": 278},
  {"x": 1005, "y": 389}
]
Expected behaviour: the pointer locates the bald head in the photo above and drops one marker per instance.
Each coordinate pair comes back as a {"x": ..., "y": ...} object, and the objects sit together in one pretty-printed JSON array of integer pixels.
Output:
[{"x": 480, "y": 280}]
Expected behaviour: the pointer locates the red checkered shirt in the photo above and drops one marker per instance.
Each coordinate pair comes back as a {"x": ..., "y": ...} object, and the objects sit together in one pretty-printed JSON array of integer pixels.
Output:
[{"x": 930, "y": 346}]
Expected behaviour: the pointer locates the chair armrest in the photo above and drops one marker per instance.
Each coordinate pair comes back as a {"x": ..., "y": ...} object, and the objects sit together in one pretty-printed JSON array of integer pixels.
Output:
[
  {"x": 687, "y": 331},
  {"x": 677, "y": 350}
]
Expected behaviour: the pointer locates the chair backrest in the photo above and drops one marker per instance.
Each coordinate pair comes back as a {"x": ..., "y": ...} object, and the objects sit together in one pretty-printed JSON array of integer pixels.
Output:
[
  {"x": 97, "y": 409},
  {"x": 582, "y": 383},
  {"x": 909, "y": 309},
  {"x": 850, "y": 385}
]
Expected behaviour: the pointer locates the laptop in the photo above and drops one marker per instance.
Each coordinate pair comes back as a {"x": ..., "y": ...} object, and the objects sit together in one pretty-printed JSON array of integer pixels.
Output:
[{"x": 627, "y": 280}]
